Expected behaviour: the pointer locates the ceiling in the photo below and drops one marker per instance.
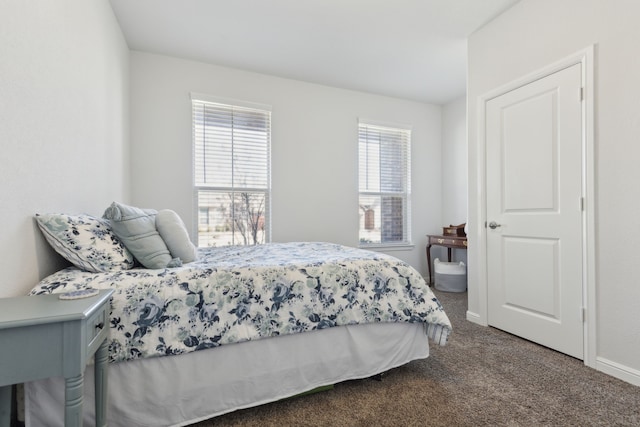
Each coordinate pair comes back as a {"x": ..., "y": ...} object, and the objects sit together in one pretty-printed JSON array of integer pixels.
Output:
[{"x": 412, "y": 49}]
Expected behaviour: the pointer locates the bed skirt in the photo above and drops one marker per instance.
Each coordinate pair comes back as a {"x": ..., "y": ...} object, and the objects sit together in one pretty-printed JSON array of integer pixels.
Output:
[{"x": 181, "y": 390}]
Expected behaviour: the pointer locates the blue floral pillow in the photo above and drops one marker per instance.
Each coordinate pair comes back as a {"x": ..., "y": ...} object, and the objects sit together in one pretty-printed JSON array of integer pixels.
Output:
[{"x": 85, "y": 241}]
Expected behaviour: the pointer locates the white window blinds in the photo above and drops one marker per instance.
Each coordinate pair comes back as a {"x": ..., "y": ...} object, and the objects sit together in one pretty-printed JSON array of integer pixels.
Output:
[
  {"x": 384, "y": 184},
  {"x": 231, "y": 152}
]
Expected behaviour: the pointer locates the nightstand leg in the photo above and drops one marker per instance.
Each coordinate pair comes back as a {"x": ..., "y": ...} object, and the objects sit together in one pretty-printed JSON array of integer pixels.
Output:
[
  {"x": 429, "y": 264},
  {"x": 73, "y": 401},
  {"x": 5, "y": 405},
  {"x": 101, "y": 365}
]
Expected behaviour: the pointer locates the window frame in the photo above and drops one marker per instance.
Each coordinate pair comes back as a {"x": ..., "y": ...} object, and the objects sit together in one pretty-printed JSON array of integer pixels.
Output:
[
  {"x": 405, "y": 194},
  {"x": 233, "y": 189}
]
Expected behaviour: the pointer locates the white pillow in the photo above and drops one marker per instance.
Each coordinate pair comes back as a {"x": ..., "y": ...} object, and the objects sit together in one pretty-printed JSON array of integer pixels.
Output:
[{"x": 175, "y": 236}]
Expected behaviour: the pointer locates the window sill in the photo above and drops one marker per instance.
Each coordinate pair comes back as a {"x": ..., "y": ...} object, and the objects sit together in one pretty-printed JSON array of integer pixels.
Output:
[{"x": 389, "y": 247}]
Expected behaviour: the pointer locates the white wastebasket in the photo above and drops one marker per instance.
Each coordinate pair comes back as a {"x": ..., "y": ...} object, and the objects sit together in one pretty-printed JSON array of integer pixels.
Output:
[{"x": 450, "y": 276}]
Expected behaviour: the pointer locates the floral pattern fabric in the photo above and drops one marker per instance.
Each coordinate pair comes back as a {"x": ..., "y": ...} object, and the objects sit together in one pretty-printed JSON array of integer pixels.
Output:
[
  {"x": 87, "y": 242},
  {"x": 239, "y": 293}
]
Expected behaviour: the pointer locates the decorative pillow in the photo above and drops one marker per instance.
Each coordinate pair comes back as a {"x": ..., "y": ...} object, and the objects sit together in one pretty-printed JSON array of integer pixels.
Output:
[
  {"x": 175, "y": 236},
  {"x": 85, "y": 241},
  {"x": 137, "y": 229}
]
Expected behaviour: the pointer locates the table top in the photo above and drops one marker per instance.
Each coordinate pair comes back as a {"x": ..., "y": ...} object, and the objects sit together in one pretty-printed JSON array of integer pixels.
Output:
[
  {"x": 446, "y": 236},
  {"x": 39, "y": 309}
]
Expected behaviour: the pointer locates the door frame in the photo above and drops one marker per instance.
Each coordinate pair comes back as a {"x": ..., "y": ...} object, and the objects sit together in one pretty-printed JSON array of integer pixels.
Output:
[{"x": 584, "y": 57}]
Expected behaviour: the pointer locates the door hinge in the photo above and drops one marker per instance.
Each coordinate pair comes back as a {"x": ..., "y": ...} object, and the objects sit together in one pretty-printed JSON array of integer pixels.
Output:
[
  {"x": 582, "y": 204},
  {"x": 583, "y": 314},
  {"x": 581, "y": 94}
]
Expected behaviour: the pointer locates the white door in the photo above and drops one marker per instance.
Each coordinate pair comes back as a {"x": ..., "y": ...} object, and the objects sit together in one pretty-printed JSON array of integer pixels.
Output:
[{"x": 534, "y": 211}]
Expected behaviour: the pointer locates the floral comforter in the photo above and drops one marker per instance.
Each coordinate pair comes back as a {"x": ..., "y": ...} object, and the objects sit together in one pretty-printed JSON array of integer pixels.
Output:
[{"x": 239, "y": 293}]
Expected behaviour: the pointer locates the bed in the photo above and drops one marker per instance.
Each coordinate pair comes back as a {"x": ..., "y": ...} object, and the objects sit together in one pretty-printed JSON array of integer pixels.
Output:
[{"x": 243, "y": 326}]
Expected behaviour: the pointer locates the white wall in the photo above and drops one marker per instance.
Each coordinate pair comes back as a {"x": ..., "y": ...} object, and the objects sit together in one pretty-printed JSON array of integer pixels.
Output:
[
  {"x": 454, "y": 168},
  {"x": 63, "y": 124},
  {"x": 454, "y": 161},
  {"x": 527, "y": 37},
  {"x": 314, "y": 148}
]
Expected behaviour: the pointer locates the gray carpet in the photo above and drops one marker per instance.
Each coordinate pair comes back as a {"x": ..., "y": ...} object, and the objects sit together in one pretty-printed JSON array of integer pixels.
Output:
[{"x": 483, "y": 377}]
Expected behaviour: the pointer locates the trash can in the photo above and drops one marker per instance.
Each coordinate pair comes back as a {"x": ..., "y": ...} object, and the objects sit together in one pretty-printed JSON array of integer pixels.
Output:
[{"x": 450, "y": 276}]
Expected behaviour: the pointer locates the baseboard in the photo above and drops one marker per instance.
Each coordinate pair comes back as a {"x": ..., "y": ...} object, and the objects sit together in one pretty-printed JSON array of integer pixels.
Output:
[
  {"x": 617, "y": 370},
  {"x": 475, "y": 318}
]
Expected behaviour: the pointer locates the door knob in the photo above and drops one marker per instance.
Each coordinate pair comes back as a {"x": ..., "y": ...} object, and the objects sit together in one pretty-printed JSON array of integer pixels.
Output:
[{"x": 493, "y": 225}]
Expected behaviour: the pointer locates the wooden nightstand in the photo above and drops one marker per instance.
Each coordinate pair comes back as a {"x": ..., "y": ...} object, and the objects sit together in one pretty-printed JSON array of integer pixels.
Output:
[
  {"x": 43, "y": 336},
  {"x": 449, "y": 242}
]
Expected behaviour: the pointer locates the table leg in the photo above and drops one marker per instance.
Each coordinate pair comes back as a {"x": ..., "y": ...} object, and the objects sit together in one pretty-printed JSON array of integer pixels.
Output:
[
  {"x": 73, "y": 401},
  {"x": 449, "y": 253},
  {"x": 100, "y": 372},
  {"x": 5, "y": 405},
  {"x": 429, "y": 263}
]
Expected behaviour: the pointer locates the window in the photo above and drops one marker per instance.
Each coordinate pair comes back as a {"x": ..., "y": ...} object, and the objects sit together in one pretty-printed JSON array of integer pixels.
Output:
[
  {"x": 232, "y": 183},
  {"x": 385, "y": 185}
]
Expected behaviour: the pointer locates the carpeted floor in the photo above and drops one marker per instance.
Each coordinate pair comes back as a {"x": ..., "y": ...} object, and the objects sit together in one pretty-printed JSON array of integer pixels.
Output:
[{"x": 483, "y": 377}]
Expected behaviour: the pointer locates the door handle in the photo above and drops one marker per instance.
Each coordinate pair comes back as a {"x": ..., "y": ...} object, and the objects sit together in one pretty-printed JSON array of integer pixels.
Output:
[{"x": 493, "y": 225}]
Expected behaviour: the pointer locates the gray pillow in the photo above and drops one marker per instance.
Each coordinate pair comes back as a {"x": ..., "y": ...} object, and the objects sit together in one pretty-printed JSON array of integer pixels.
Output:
[
  {"x": 136, "y": 228},
  {"x": 175, "y": 236}
]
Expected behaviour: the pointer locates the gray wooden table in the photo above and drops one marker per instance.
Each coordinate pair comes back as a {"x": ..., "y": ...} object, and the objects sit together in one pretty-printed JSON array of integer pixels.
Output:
[{"x": 43, "y": 336}]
